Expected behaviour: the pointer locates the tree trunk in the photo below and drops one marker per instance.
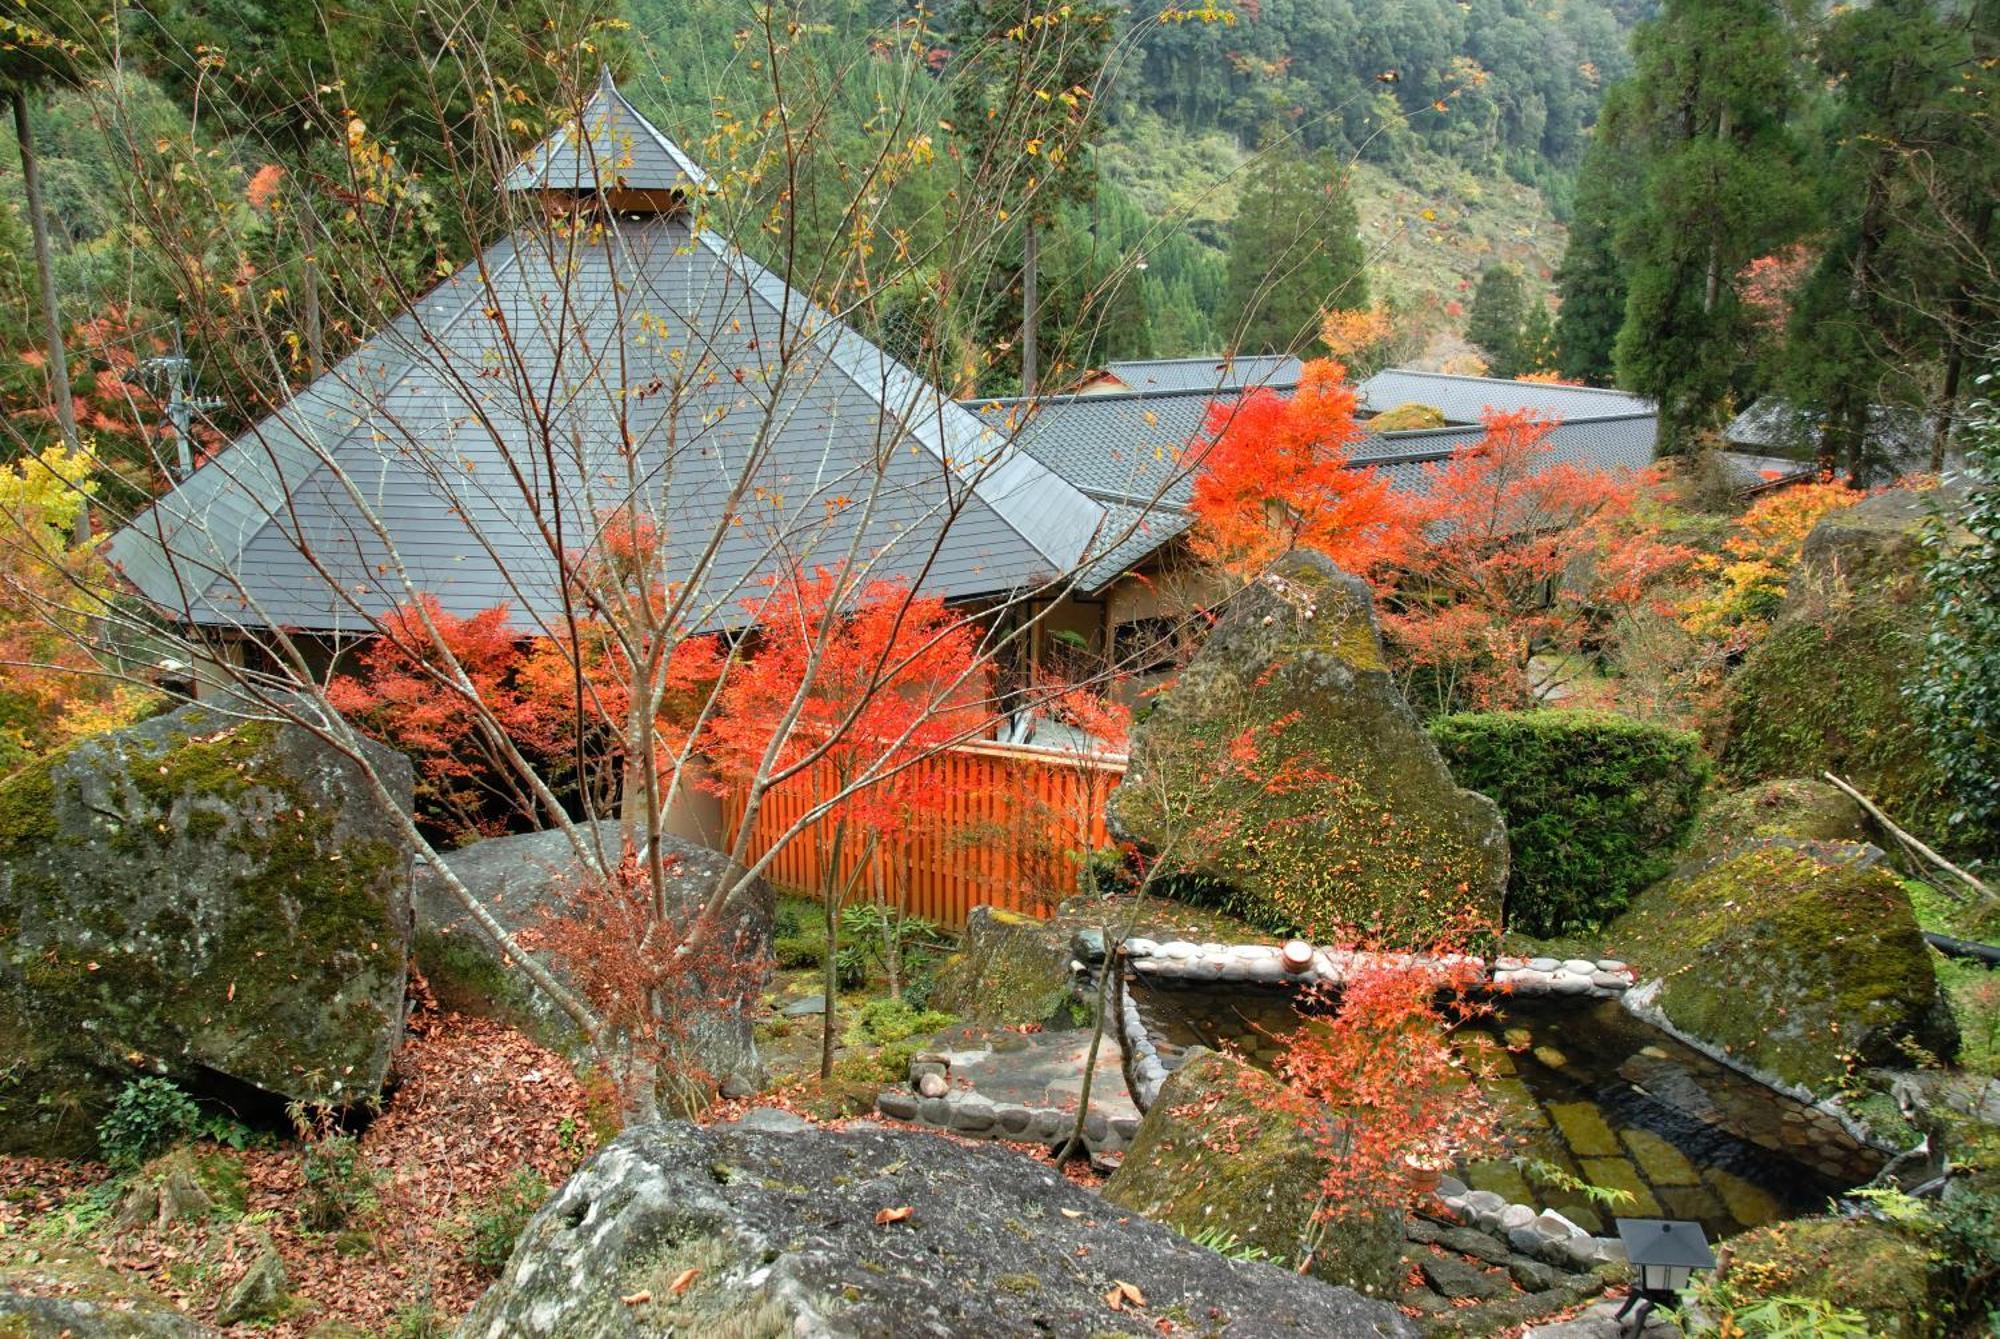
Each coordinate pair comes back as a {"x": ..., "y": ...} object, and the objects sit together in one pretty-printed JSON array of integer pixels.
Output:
[
  {"x": 1031, "y": 314},
  {"x": 1713, "y": 289},
  {"x": 315, "y": 339},
  {"x": 45, "y": 274},
  {"x": 830, "y": 970}
]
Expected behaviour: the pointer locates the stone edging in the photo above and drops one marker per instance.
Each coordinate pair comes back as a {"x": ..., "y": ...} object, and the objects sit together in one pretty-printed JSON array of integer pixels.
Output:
[
  {"x": 1544, "y": 1233},
  {"x": 975, "y": 1117},
  {"x": 1261, "y": 964}
]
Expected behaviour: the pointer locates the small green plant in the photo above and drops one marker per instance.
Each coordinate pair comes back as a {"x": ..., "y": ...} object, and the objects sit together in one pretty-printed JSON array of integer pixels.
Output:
[
  {"x": 417, "y": 1320},
  {"x": 148, "y": 1117},
  {"x": 1798, "y": 1318},
  {"x": 1215, "y": 1238},
  {"x": 1551, "y": 1177},
  {"x": 498, "y": 1224},
  {"x": 337, "y": 1184},
  {"x": 793, "y": 952}
]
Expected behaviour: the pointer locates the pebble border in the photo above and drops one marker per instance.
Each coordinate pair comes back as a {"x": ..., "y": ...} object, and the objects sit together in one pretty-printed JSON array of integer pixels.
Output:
[
  {"x": 1179, "y": 960},
  {"x": 975, "y": 1117},
  {"x": 1541, "y": 1233}
]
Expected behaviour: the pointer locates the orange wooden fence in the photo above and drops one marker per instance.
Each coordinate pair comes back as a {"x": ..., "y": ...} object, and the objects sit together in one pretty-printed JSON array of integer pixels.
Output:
[{"x": 1014, "y": 824}]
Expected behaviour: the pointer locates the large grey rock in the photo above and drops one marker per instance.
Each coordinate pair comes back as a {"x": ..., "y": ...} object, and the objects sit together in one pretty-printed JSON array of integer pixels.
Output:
[
  {"x": 524, "y": 878},
  {"x": 78, "y": 1299},
  {"x": 783, "y": 1229},
  {"x": 197, "y": 895},
  {"x": 1347, "y": 817}
]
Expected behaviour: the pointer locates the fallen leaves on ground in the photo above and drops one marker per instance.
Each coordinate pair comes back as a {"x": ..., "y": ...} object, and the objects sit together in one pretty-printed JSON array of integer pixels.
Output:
[{"x": 473, "y": 1103}]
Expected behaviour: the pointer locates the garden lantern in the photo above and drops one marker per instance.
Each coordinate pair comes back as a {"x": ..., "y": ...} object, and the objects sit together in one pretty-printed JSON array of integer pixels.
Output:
[{"x": 1663, "y": 1256}]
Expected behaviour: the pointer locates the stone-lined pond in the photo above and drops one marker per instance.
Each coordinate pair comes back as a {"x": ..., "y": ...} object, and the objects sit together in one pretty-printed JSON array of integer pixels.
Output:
[{"x": 1592, "y": 1090}]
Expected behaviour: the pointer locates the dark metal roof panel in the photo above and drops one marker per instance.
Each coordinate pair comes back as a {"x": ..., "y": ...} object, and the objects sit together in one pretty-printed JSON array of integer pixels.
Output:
[
  {"x": 1464, "y": 399},
  {"x": 1278, "y": 371}
]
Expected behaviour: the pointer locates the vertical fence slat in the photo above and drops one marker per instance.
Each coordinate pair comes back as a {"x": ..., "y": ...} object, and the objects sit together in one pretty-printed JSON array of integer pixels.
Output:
[{"x": 1024, "y": 801}]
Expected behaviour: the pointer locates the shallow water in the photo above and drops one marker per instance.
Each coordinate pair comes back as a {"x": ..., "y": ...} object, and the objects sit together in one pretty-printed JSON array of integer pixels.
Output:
[{"x": 1592, "y": 1090}]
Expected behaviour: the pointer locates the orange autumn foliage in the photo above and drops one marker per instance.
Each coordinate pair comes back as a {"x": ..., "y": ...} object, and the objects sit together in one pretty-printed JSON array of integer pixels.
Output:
[{"x": 1277, "y": 474}]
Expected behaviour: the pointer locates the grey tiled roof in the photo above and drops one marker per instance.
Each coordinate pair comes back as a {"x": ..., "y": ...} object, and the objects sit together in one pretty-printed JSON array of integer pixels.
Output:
[
  {"x": 609, "y": 146},
  {"x": 1464, "y": 399},
  {"x": 1774, "y": 424},
  {"x": 1128, "y": 450},
  {"x": 1278, "y": 371},
  {"x": 420, "y": 454}
]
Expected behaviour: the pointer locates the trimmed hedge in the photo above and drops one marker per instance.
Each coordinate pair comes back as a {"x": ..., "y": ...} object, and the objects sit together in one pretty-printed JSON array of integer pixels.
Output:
[{"x": 1596, "y": 805}]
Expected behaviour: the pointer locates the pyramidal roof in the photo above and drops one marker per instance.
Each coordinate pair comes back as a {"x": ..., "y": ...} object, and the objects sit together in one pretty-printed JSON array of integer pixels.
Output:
[
  {"x": 465, "y": 447},
  {"x": 608, "y": 146}
]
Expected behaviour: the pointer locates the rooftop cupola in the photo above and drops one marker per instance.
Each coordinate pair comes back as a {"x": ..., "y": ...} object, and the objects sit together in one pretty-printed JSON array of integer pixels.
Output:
[{"x": 608, "y": 150}]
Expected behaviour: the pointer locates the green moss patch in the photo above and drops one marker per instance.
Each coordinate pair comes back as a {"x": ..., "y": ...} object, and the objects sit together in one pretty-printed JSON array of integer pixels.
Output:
[
  {"x": 1284, "y": 767},
  {"x": 1856, "y": 1263},
  {"x": 1800, "y": 961}
]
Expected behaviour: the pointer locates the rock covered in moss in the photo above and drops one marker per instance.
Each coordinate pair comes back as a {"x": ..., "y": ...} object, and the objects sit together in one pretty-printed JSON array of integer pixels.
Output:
[
  {"x": 197, "y": 895},
  {"x": 1218, "y": 1152},
  {"x": 1009, "y": 969},
  {"x": 78, "y": 1299},
  {"x": 1798, "y": 960},
  {"x": 1284, "y": 764},
  {"x": 869, "y": 1232},
  {"x": 1796, "y": 807},
  {"x": 1858, "y": 1264},
  {"x": 523, "y": 877},
  {"x": 1824, "y": 690}
]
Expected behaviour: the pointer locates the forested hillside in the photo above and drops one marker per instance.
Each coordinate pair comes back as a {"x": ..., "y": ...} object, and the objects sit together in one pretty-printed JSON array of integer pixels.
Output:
[{"x": 1455, "y": 129}]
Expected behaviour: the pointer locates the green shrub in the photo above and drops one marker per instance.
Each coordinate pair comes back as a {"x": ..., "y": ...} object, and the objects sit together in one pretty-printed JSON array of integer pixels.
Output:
[
  {"x": 337, "y": 1185},
  {"x": 889, "y": 1020},
  {"x": 498, "y": 1223},
  {"x": 794, "y": 951},
  {"x": 1595, "y": 804},
  {"x": 148, "y": 1117}
]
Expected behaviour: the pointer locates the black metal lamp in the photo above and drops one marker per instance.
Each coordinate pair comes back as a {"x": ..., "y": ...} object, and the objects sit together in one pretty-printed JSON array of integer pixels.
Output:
[{"x": 1664, "y": 1255}]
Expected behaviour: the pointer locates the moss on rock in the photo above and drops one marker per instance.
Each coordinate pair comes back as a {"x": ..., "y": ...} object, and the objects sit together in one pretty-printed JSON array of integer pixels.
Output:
[
  {"x": 1796, "y": 959},
  {"x": 201, "y": 895},
  {"x": 1010, "y": 969},
  {"x": 1796, "y": 807},
  {"x": 1824, "y": 690},
  {"x": 1219, "y": 1151},
  {"x": 1856, "y": 1263},
  {"x": 1284, "y": 765}
]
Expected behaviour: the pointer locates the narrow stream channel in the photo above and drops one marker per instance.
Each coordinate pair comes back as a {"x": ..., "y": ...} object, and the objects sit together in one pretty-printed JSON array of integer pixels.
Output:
[{"x": 1591, "y": 1090}]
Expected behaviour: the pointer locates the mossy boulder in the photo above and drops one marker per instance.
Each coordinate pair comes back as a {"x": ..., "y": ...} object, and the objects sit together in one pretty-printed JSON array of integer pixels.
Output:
[
  {"x": 524, "y": 878},
  {"x": 1009, "y": 969},
  {"x": 1284, "y": 765},
  {"x": 1858, "y": 1264},
  {"x": 1824, "y": 690},
  {"x": 1797, "y": 960},
  {"x": 197, "y": 896},
  {"x": 1796, "y": 807},
  {"x": 64, "y": 1298},
  {"x": 1221, "y": 1150}
]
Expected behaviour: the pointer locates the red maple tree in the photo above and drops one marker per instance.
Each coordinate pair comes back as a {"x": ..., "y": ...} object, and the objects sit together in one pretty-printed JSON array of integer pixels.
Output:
[
  {"x": 851, "y": 688},
  {"x": 1277, "y": 474},
  {"x": 1524, "y": 559}
]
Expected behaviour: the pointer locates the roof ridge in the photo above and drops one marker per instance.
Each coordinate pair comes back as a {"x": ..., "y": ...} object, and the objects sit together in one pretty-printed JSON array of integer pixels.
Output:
[{"x": 1500, "y": 381}]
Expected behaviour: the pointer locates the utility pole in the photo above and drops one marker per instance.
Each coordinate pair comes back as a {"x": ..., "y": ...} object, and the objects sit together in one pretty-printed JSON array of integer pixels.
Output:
[{"x": 172, "y": 376}]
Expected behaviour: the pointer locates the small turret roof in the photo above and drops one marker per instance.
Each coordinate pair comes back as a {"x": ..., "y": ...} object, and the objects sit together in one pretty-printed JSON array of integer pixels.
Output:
[{"x": 608, "y": 146}]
